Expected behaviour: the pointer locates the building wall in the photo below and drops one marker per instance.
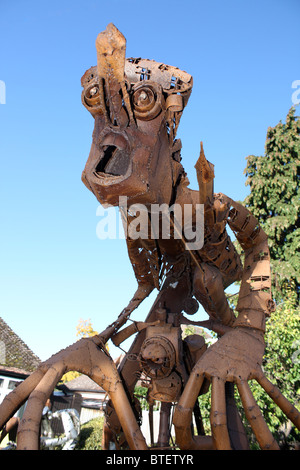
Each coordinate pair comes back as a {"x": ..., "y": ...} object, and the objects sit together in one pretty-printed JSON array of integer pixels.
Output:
[
  {"x": 7, "y": 384},
  {"x": 86, "y": 414}
]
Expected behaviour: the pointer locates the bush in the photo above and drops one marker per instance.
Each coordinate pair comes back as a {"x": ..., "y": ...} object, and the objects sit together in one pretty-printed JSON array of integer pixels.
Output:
[{"x": 90, "y": 437}]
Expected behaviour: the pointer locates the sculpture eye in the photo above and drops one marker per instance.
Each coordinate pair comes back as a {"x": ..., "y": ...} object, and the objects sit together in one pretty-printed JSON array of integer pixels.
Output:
[
  {"x": 147, "y": 100},
  {"x": 91, "y": 95},
  {"x": 144, "y": 98}
]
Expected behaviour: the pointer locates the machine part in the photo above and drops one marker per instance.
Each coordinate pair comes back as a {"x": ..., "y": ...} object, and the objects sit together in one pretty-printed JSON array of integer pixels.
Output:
[
  {"x": 164, "y": 426},
  {"x": 196, "y": 347},
  {"x": 167, "y": 389},
  {"x": 135, "y": 327},
  {"x": 191, "y": 306},
  {"x": 157, "y": 357}
]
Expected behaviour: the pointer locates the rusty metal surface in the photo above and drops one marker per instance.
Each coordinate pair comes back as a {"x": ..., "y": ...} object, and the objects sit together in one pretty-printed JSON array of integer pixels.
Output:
[{"x": 137, "y": 105}]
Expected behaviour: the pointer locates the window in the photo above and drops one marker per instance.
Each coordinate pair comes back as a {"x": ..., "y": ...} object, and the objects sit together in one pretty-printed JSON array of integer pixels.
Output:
[
  {"x": 7, "y": 384},
  {"x": 12, "y": 384}
]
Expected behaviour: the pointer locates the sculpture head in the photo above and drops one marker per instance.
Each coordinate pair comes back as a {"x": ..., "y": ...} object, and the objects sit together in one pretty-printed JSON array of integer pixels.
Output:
[{"x": 136, "y": 105}]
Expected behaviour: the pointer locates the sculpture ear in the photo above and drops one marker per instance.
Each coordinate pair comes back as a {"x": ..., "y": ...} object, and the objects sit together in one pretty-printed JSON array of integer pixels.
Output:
[
  {"x": 88, "y": 76},
  {"x": 177, "y": 172},
  {"x": 177, "y": 168},
  {"x": 176, "y": 149}
]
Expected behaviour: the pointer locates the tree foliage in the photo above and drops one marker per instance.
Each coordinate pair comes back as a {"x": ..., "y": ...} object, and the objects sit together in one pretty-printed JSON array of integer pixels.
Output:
[
  {"x": 85, "y": 329},
  {"x": 274, "y": 200},
  {"x": 281, "y": 362}
]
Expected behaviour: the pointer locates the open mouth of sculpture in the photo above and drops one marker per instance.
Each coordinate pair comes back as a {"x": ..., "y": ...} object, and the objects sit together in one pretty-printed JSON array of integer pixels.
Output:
[
  {"x": 114, "y": 159},
  {"x": 114, "y": 162}
]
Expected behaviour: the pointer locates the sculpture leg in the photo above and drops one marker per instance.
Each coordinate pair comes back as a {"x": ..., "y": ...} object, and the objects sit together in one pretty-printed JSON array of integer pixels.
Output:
[
  {"x": 214, "y": 365},
  {"x": 18, "y": 396},
  {"x": 164, "y": 425},
  {"x": 86, "y": 357},
  {"x": 218, "y": 415},
  {"x": 10, "y": 428},
  {"x": 237, "y": 433},
  {"x": 254, "y": 416},
  {"x": 183, "y": 417},
  {"x": 29, "y": 428}
]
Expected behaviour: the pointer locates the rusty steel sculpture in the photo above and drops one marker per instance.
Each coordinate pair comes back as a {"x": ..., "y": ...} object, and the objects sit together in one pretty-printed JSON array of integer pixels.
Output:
[{"x": 135, "y": 156}]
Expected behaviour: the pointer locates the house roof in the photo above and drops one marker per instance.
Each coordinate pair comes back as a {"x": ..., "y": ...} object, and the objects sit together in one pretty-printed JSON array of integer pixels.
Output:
[
  {"x": 14, "y": 352},
  {"x": 14, "y": 372},
  {"x": 82, "y": 383}
]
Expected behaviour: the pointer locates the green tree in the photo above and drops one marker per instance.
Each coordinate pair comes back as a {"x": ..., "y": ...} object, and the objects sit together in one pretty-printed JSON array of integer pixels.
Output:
[{"x": 274, "y": 200}]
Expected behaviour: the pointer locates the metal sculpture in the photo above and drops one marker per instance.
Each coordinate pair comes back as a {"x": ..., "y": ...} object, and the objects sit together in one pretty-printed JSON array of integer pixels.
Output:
[{"x": 135, "y": 157}]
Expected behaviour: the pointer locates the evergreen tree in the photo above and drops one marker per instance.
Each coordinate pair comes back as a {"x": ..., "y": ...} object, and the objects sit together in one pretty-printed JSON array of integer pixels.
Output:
[{"x": 274, "y": 200}]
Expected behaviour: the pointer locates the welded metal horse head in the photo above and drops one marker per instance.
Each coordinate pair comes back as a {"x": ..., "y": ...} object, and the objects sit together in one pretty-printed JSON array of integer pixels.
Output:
[{"x": 137, "y": 105}]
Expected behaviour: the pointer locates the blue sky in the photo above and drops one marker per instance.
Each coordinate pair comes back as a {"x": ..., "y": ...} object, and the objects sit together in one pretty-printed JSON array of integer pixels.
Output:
[{"x": 54, "y": 270}]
